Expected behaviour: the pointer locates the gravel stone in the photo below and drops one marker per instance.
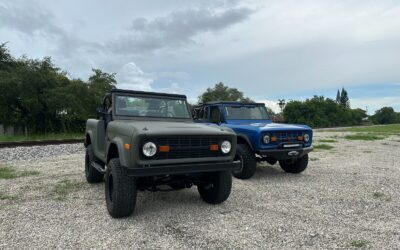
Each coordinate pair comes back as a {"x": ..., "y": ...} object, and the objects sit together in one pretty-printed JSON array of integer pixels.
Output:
[{"x": 330, "y": 205}]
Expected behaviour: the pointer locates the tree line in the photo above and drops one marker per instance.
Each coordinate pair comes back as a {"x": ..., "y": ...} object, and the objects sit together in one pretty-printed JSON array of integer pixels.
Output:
[{"x": 40, "y": 98}]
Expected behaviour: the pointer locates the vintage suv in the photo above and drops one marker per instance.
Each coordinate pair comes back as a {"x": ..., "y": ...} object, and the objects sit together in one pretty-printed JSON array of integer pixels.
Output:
[
  {"x": 148, "y": 141},
  {"x": 258, "y": 138}
]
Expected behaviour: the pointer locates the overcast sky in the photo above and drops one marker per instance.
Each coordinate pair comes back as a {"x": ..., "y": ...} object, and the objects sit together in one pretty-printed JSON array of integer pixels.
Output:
[{"x": 268, "y": 49}]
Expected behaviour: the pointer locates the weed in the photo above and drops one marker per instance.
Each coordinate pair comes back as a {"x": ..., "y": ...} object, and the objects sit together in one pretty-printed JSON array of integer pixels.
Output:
[
  {"x": 364, "y": 137},
  {"x": 327, "y": 140},
  {"x": 4, "y": 196},
  {"x": 378, "y": 194},
  {"x": 62, "y": 189},
  {"x": 11, "y": 173},
  {"x": 359, "y": 243},
  {"x": 323, "y": 146}
]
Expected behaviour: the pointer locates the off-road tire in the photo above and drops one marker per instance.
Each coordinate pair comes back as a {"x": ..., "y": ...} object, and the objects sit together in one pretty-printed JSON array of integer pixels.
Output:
[
  {"x": 120, "y": 190},
  {"x": 249, "y": 162},
  {"x": 218, "y": 188},
  {"x": 295, "y": 167},
  {"x": 92, "y": 175}
]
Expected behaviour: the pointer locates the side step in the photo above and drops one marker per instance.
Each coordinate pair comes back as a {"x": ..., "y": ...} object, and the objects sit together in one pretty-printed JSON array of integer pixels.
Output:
[{"x": 98, "y": 167}]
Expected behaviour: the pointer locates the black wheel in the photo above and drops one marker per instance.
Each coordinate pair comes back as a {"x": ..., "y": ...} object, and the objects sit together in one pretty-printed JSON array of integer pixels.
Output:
[
  {"x": 92, "y": 175},
  {"x": 249, "y": 162},
  {"x": 120, "y": 190},
  {"x": 296, "y": 166},
  {"x": 218, "y": 187}
]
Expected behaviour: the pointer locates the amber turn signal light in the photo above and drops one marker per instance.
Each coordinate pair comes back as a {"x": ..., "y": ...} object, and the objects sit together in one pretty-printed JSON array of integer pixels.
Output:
[
  {"x": 274, "y": 139},
  {"x": 214, "y": 147},
  {"x": 164, "y": 149},
  {"x": 127, "y": 146},
  {"x": 300, "y": 138}
]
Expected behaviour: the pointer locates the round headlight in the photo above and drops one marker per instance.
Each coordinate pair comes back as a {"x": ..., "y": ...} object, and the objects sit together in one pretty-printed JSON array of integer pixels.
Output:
[
  {"x": 149, "y": 149},
  {"x": 266, "y": 139},
  {"x": 306, "y": 137},
  {"x": 226, "y": 147}
]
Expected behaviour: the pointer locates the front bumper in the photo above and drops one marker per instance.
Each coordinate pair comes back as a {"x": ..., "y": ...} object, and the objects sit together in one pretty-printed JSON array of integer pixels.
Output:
[
  {"x": 287, "y": 153},
  {"x": 187, "y": 168}
]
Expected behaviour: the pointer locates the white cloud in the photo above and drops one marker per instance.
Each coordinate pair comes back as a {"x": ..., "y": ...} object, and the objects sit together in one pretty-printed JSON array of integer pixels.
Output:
[
  {"x": 133, "y": 78},
  {"x": 271, "y": 104}
]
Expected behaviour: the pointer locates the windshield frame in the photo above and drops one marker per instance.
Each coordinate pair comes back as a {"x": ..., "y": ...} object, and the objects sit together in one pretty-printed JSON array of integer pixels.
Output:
[
  {"x": 246, "y": 105},
  {"x": 161, "y": 97}
]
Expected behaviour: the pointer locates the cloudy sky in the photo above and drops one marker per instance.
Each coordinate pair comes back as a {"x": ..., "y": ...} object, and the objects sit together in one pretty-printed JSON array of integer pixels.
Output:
[{"x": 269, "y": 49}]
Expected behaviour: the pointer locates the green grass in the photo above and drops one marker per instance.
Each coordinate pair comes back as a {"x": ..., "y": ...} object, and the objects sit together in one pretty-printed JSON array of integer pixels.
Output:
[
  {"x": 6, "y": 138},
  {"x": 4, "y": 196},
  {"x": 364, "y": 137},
  {"x": 359, "y": 243},
  {"x": 323, "y": 146},
  {"x": 11, "y": 173},
  {"x": 378, "y": 194},
  {"x": 381, "y": 129},
  {"x": 327, "y": 140},
  {"x": 62, "y": 189},
  {"x": 313, "y": 159}
]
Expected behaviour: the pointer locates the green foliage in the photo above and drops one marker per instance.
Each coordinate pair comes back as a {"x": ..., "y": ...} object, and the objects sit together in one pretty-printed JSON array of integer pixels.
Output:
[
  {"x": 220, "y": 92},
  {"x": 327, "y": 140},
  {"x": 38, "y": 96},
  {"x": 386, "y": 115},
  {"x": 11, "y": 173},
  {"x": 322, "y": 112}
]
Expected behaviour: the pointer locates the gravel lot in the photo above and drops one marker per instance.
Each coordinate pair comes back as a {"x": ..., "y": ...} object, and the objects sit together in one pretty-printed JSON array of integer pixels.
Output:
[{"x": 348, "y": 197}]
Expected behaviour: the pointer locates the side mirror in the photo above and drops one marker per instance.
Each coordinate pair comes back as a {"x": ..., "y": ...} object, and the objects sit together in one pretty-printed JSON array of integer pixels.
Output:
[{"x": 100, "y": 112}]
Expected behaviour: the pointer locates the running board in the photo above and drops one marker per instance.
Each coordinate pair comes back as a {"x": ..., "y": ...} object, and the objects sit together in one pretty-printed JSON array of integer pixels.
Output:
[{"x": 98, "y": 167}]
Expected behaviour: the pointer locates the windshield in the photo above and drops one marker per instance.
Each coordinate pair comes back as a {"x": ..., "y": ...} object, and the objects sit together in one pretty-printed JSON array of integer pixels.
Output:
[
  {"x": 246, "y": 113},
  {"x": 151, "y": 107}
]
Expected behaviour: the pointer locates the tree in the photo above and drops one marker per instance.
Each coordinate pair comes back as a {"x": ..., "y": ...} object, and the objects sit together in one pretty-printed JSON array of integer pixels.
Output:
[
  {"x": 338, "y": 97},
  {"x": 344, "y": 99},
  {"x": 385, "y": 115},
  {"x": 220, "y": 92}
]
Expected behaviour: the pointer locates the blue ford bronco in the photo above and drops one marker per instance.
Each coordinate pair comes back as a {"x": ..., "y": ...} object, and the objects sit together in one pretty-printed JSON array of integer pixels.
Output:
[{"x": 258, "y": 138}]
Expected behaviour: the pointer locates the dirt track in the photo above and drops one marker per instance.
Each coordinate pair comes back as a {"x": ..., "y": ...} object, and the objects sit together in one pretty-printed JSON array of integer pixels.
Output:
[{"x": 348, "y": 196}]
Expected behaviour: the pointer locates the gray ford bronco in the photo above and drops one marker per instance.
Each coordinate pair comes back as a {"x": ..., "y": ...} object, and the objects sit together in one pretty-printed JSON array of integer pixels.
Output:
[{"x": 148, "y": 141}]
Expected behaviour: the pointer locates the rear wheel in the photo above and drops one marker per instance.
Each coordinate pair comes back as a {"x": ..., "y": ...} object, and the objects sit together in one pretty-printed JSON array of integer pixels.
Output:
[
  {"x": 120, "y": 190},
  {"x": 296, "y": 166},
  {"x": 217, "y": 187},
  {"x": 92, "y": 175},
  {"x": 249, "y": 162}
]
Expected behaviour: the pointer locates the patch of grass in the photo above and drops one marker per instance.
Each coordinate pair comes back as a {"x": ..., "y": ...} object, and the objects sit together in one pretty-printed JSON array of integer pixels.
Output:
[
  {"x": 314, "y": 159},
  {"x": 62, "y": 189},
  {"x": 327, "y": 140},
  {"x": 359, "y": 243},
  {"x": 367, "y": 151},
  {"x": 323, "y": 146},
  {"x": 364, "y": 137},
  {"x": 378, "y": 194},
  {"x": 4, "y": 196},
  {"x": 11, "y": 173},
  {"x": 380, "y": 129},
  {"x": 61, "y": 136}
]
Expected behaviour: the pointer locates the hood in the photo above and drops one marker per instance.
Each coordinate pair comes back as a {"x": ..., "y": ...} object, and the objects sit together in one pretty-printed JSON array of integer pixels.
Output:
[
  {"x": 174, "y": 128},
  {"x": 266, "y": 125}
]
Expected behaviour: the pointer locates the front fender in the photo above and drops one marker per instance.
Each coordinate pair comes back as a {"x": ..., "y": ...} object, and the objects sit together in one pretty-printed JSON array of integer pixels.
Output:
[{"x": 122, "y": 153}]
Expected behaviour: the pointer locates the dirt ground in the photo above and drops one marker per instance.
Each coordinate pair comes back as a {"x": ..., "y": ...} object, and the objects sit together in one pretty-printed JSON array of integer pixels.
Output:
[{"x": 347, "y": 198}]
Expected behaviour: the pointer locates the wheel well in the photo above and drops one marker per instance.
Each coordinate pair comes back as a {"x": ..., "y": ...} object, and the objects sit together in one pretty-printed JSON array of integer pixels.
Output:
[
  {"x": 88, "y": 141},
  {"x": 112, "y": 152},
  {"x": 242, "y": 140}
]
